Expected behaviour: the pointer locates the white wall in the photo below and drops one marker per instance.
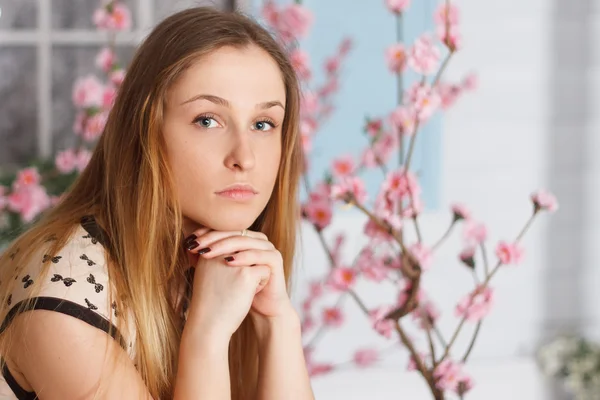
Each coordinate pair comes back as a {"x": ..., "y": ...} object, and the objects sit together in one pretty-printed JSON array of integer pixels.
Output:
[{"x": 531, "y": 124}]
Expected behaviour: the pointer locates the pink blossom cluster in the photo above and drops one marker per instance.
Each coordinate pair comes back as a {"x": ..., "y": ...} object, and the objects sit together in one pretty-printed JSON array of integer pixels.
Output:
[
  {"x": 112, "y": 16},
  {"x": 27, "y": 196}
]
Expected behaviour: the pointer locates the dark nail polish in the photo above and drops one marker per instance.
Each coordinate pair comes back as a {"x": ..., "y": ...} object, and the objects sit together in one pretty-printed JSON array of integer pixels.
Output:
[
  {"x": 189, "y": 239},
  {"x": 229, "y": 259},
  {"x": 204, "y": 250},
  {"x": 192, "y": 245}
]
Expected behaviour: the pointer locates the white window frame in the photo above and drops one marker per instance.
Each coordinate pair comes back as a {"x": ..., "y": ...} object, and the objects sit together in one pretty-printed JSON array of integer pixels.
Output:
[{"x": 45, "y": 37}]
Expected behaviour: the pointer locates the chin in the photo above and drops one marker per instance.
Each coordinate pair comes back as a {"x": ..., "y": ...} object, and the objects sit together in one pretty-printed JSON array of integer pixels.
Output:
[{"x": 230, "y": 220}]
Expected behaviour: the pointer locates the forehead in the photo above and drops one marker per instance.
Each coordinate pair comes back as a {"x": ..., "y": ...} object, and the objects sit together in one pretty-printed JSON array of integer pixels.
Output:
[{"x": 247, "y": 74}]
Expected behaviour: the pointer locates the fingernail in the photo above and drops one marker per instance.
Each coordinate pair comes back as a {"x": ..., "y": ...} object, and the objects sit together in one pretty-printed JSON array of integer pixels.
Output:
[
  {"x": 190, "y": 238},
  {"x": 192, "y": 245},
  {"x": 229, "y": 259},
  {"x": 204, "y": 250}
]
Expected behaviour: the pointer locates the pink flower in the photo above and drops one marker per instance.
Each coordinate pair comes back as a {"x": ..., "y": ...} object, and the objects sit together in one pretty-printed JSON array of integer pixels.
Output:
[
  {"x": 509, "y": 253},
  {"x": 319, "y": 213},
  {"x": 332, "y": 65},
  {"x": 88, "y": 92},
  {"x": 426, "y": 315},
  {"x": 27, "y": 177},
  {"x": 383, "y": 326},
  {"x": 309, "y": 103},
  {"x": 270, "y": 13},
  {"x": 105, "y": 59},
  {"x": 476, "y": 305},
  {"x": 333, "y": 317},
  {"x": 321, "y": 192},
  {"x": 447, "y": 375},
  {"x": 371, "y": 267},
  {"x": 450, "y": 36},
  {"x": 470, "y": 82},
  {"x": 319, "y": 369},
  {"x": 465, "y": 384},
  {"x": 366, "y": 357},
  {"x": 316, "y": 289},
  {"x": 350, "y": 188},
  {"x": 422, "y": 254},
  {"x": 83, "y": 158},
  {"x": 301, "y": 63},
  {"x": 94, "y": 126},
  {"x": 424, "y": 99},
  {"x": 460, "y": 211},
  {"x": 308, "y": 323},
  {"x": 544, "y": 200},
  {"x": 117, "y": 77},
  {"x": 29, "y": 201},
  {"x": 467, "y": 256},
  {"x": 424, "y": 56},
  {"x": 66, "y": 161},
  {"x": 396, "y": 58},
  {"x": 108, "y": 98},
  {"x": 343, "y": 167},
  {"x": 115, "y": 17},
  {"x": 403, "y": 119},
  {"x": 448, "y": 94},
  {"x": 412, "y": 363},
  {"x": 474, "y": 232},
  {"x": 400, "y": 184},
  {"x": 342, "y": 278},
  {"x": 294, "y": 21},
  {"x": 447, "y": 13},
  {"x": 397, "y": 6},
  {"x": 79, "y": 122},
  {"x": 374, "y": 127}
]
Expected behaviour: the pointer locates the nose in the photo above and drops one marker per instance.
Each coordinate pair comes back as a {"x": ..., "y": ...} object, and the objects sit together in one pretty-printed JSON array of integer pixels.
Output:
[{"x": 240, "y": 156}]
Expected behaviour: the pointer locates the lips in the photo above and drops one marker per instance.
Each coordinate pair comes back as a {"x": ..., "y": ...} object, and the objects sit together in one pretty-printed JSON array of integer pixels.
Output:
[{"x": 238, "y": 192}]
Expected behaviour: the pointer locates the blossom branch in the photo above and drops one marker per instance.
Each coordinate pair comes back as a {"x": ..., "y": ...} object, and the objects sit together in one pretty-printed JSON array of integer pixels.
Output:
[{"x": 483, "y": 285}]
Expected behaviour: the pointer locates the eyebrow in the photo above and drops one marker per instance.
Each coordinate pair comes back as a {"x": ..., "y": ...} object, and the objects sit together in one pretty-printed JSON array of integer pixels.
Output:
[{"x": 222, "y": 102}]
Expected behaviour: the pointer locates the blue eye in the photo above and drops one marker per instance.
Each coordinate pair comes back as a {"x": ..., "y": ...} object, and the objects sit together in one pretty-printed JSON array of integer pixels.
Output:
[
  {"x": 206, "y": 121},
  {"x": 264, "y": 125}
]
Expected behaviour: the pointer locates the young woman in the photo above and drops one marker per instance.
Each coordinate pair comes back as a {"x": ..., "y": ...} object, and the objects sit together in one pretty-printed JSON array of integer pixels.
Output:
[{"x": 163, "y": 272}]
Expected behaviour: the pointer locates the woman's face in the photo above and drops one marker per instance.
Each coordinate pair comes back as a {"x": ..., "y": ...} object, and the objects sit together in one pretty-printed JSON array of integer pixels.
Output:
[{"x": 222, "y": 128}]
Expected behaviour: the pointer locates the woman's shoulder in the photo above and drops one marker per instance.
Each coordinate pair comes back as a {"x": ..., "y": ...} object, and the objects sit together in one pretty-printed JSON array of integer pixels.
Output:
[{"x": 77, "y": 273}]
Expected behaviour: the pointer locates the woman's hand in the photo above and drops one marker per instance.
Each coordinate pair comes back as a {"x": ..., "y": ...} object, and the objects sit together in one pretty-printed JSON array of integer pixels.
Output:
[
  {"x": 222, "y": 294},
  {"x": 253, "y": 250}
]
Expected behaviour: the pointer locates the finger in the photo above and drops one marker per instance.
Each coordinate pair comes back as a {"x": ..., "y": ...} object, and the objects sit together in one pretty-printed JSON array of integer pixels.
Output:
[
  {"x": 190, "y": 241},
  {"x": 213, "y": 236},
  {"x": 253, "y": 257},
  {"x": 261, "y": 275},
  {"x": 235, "y": 244}
]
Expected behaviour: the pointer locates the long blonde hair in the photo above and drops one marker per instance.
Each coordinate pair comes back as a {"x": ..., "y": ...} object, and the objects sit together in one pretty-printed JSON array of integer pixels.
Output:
[{"x": 128, "y": 188}]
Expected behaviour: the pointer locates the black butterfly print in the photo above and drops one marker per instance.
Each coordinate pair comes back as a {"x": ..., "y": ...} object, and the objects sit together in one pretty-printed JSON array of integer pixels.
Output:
[
  {"x": 90, "y": 305},
  {"x": 14, "y": 253},
  {"x": 54, "y": 259},
  {"x": 66, "y": 281},
  {"x": 88, "y": 236},
  {"x": 114, "y": 307},
  {"x": 89, "y": 262},
  {"x": 91, "y": 279},
  {"x": 9, "y": 301},
  {"x": 27, "y": 281}
]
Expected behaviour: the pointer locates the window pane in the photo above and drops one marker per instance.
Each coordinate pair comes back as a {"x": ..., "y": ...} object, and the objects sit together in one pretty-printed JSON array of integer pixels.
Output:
[
  {"x": 18, "y": 113},
  {"x": 164, "y": 8},
  {"x": 18, "y": 14},
  {"x": 77, "y": 14},
  {"x": 68, "y": 64}
]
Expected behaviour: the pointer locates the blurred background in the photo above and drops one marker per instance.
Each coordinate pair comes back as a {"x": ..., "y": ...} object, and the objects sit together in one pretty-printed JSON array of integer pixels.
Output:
[{"x": 532, "y": 123}]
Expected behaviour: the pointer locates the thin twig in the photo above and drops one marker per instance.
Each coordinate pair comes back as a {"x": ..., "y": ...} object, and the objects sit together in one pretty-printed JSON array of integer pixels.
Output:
[
  {"x": 482, "y": 286},
  {"x": 472, "y": 344},
  {"x": 444, "y": 236}
]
